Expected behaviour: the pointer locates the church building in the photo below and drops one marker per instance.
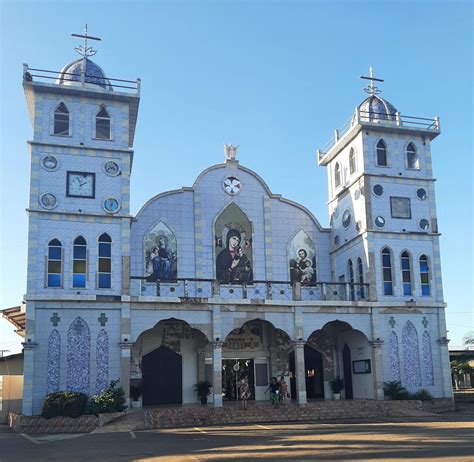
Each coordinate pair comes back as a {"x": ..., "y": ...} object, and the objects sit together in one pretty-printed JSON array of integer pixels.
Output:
[{"x": 225, "y": 279}]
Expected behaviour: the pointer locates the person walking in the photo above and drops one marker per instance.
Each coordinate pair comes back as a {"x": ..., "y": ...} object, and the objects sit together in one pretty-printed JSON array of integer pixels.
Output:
[
  {"x": 274, "y": 390},
  {"x": 283, "y": 389}
]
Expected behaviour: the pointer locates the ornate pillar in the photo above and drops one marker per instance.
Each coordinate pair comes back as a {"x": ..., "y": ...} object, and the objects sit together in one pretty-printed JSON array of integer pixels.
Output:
[
  {"x": 125, "y": 358},
  {"x": 445, "y": 367},
  {"x": 217, "y": 372},
  {"x": 201, "y": 364},
  {"x": 300, "y": 371},
  {"x": 28, "y": 370},
  {"x": 377, "y": 371}
]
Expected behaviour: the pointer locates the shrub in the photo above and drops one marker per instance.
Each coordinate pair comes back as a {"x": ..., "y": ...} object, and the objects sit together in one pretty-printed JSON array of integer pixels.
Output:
[
  {"x": 110, "y": 400},
  {"x": 337, "y": 384},
  {"x": 394, "y": 390},
  {"x": 423, "y": 394},
  {"x": 64, "y": 403}
]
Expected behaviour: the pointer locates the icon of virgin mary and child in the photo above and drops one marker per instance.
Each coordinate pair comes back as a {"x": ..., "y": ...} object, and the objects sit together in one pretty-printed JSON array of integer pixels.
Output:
[
  {"x": 160, "y": 261},
  {"x": 232, "y": 265}
]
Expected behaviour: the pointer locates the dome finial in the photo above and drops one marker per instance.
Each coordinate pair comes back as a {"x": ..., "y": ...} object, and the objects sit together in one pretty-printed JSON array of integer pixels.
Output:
[
  {"x": 371, "y": 88},
  {"x": 84, "y": 50}
]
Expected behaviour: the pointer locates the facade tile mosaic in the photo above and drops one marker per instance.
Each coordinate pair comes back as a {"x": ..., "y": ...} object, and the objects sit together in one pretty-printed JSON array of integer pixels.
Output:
[
  {"x": 411, "y": 356},
  {"x": 394, "y": 357},
  {"x": 102, "y": 361},
  {"x": 428, "y": 375},
  {"x": 78, "y": 356},
  {"x": 54, "y": 358}
]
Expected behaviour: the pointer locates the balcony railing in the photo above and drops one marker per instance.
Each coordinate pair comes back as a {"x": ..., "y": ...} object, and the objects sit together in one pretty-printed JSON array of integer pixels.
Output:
[
  {"x": 45, "y": 76},
  {"x": 197, "y": 289},
  {"x": 378, "y": 118}
]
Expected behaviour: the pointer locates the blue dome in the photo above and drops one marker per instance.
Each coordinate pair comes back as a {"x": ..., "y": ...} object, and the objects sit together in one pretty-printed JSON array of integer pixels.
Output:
[
  {"x": 375, "y": 107},
  {"x": 94, "y": 74}
]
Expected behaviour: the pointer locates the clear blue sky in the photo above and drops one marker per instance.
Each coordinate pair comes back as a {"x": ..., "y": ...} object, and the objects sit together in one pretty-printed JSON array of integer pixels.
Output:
[{"x": 275, "y": 77}]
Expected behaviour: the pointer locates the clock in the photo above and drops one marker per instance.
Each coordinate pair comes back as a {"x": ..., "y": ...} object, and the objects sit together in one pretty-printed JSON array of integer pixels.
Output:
[
  {"x": 48, "y": 201},
  {"x": 111, "y": 205},
  {"x": 232, "y": 185},
  {"x": 80, "y": 184},
  {"x": 111, "y": 168},
  {"x": 50, "y": 163}
]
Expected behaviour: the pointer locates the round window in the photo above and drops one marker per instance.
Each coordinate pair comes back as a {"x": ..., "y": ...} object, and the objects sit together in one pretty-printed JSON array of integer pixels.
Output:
[
  {"x": 50, "y": 162},
  {"x": 335, "y": 212},
  {"x": 48, "y": 201},
  {"x": 424, "y": 224},
  {"x": 336, "y": 240},
  {"x": 379, "y": 221},
  {"x": 346, "y": 218},
  {"x": 421, "y": 194},
  {"x": 378, "y": 190}
]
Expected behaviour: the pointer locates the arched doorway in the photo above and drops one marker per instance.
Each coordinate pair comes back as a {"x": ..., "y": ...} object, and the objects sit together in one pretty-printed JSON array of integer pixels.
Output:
[
  {"x": 162, "y": 377},
  {"x": 314, "y": 373}
]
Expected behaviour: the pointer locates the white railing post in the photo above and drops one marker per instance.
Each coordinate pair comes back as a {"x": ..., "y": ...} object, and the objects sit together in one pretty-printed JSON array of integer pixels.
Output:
[
  {"x": 336, "y": 135},
  {"x": 436, "y": 120},
  {"x": 357, "y": 116},
  {"x": 398, "y": 118}
]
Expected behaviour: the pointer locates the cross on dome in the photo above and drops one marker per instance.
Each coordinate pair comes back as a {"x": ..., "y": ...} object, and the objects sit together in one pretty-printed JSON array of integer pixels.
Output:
[
  {"x": 371, "y": 88},
  {"x": 84, "y": 50}
]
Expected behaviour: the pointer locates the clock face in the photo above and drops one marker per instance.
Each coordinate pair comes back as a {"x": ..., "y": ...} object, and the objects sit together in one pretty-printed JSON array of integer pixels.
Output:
[
  {"x": 81, "y": 184},
  {"x": 232, "y": 185},
  {"x": 111, "y": 168},
  {"x": 111, "y": 205},
  {"x": 48, "y": 201},
  {"x": 50, "y": 163}
]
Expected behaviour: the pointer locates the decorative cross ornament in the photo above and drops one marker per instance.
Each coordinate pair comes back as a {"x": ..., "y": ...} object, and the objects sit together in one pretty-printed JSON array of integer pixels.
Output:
[
  {"x": 371, "y": 88},
  {"x": 102, "y": 319},
  {"x": 392, "y": 322},
  {"x": 230, "y": 151},
  {"x": 55, "y": 319},
  {"x": 84, "y": 50},
  {"x": 424, "y": 322}
]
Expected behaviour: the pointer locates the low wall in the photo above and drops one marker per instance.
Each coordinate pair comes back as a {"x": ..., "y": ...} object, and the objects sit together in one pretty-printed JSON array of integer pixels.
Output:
[{"x": 464, "y": 396}]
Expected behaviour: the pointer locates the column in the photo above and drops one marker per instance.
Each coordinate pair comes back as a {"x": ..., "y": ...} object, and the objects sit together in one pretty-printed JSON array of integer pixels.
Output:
[
  {"x": 217, "y": 372},
  {"x": 28, "y": 370},
  {"x": 300, "y": 371},
  {"x": 443, "y": 342},
  {"x": 125, "y": 369},
  {"x": 201, "y": 364},
  {"x": 377, "y": 371}
]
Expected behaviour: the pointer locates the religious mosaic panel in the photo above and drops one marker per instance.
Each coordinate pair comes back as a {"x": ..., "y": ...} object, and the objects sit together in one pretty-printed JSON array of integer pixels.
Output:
[
  {"x": 428, "y": 376},
  {"x": 411, "y": 356},
  {"x": 394, "y": 357},
  {"x": 161, "y": 254},
  {"x": 302, "y": 259},
  {"x": 54, "y": 357},
  {"x": 78, "y": 356},
  {"x": 248, "y": 337},
  {"x": 233, "y": 247},
  {"x": 102, "y": 361}
]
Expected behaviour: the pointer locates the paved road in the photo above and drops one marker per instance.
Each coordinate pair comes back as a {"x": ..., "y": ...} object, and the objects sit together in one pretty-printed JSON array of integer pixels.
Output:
[{"x": 449, "y": 437}]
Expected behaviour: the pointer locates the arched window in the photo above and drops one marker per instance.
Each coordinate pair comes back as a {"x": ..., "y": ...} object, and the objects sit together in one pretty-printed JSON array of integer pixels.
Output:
[
  {"x": 350, "y": 270},
  {"x": 79, "y": 263},
  {"x": 61, "y": 120},
  {"x": 387, "y": 272},
  {"x": 406, "y": 273},
  {"x": 424, "y": 276},
  {"x": 412, "y": 157},
  {"x": 102, "y": 125},
  {"x": 55, "y": 264},
  {"x": 382, "y": 154},
  {"x": 104, "y": 279},
  {"x": 337, "y": 175},
  {"x": 360, "y": 269},
  {"x": 352, "y": 161}
]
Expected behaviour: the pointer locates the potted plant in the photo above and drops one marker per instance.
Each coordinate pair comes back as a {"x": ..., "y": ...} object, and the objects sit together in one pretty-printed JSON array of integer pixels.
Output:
[
  {"x": 203, "y": 390},
  {"x": 337, "y": 384},
  {"x": 136, "y": 394}
]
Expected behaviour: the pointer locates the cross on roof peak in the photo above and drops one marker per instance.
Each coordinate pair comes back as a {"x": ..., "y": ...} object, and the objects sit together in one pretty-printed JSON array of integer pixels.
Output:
[
  {"x": 371, "y": 88},
  {"x": 84, "y": 50}
]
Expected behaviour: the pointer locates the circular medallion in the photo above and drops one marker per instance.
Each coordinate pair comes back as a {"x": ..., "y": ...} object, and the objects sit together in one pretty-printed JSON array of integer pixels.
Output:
[
  {"x": 346, "y": 218},
  {"x": 111, "y": 205},
  {"x": 424, "y": 224},
  {"x": 379, "y": 221},
  {"x": 421, "y": 194},
  {"x": 50, "y": 162},
  {"x": 231, "y": 185},
  {"x": 377, "y": 190},
  {"x": 111, "y": 168},
  {"x": 48, "y": 201}
]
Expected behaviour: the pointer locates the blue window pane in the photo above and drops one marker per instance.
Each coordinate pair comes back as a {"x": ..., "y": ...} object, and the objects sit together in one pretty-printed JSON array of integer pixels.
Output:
[
  {"x": 386, "y": 261},
  {"x": 387, "y": 288},
  {"x": 104, "y": 281},
  {"x": 80, "y": 252},
  {"x": 54, "y": 253},
  {"x": 54, "y": 280},
  {"x": 406, "y": 289},
  {"x": 104, "y": 250},
  {"x": 425, "y": 290},
  {"x": 424, "y": 266},
  {"x": 79, "y": 280},
  {"x": 405, "y": 263}
]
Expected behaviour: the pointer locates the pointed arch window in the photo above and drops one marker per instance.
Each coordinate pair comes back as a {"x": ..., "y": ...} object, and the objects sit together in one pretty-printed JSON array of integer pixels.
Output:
[
  {"x": 104, "y": 277},
  {"x": 350, "y": 270},
  {"x": 412, "y": 157},
  {"x": 352, "y": 161},
  {"x": 387, "y": 272},
  {"x": 406, "y": 273},
  {"x": 61, "y": 120},
  {"x": 337, "y": 175},
  {"x": 424, "y": 276},
  {"x": 102, "y": 124},
  {"x": 382, "y": 154},
  {"x": 360, "y": 269},
  {"x": 79, "y": 263},
  {"x": 55, "y": 264}
]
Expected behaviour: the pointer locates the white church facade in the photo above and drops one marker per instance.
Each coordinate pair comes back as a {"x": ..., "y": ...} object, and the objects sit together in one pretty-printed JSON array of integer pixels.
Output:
[{"x": 225, "y": 279}]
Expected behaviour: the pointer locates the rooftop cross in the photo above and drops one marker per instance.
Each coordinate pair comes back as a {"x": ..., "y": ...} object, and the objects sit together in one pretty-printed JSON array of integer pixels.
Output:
[
  {"x": 84, "y": 50},
  {"x": 371, "y": 88}
]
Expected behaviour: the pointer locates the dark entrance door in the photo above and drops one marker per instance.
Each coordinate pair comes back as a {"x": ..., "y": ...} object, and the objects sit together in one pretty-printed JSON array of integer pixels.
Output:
[
  {"x": 313, "y": 361},
  {"x": 162, "y": 377},
  {"x": 234, "y": 370},
  {"x": 346, "y": 360}
]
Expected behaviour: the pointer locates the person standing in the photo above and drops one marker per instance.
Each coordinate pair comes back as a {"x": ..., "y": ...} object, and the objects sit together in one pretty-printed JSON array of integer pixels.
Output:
[
  {"x": 274, "y": 390},
  {"x": 244, "y": 392},
  {"x": 283, "y": 389}
]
